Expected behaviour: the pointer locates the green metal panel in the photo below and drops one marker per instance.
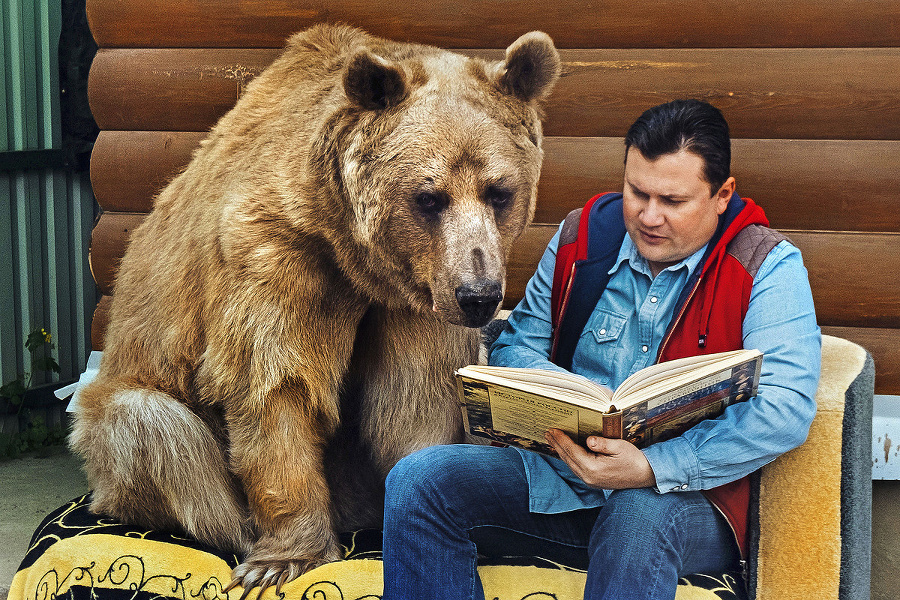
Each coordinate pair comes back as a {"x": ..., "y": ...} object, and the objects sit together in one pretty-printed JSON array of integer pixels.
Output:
[
  {"x": 4, "y": 75},
  {"x": 50, "y": 18},
  {"x": 46, "y": 212},
  {"x": 9, "y": 310}
]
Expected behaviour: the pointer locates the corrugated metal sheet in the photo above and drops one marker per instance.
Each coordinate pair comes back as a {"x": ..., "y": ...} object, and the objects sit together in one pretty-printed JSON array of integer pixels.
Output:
[{"x": 46, "y": 212}]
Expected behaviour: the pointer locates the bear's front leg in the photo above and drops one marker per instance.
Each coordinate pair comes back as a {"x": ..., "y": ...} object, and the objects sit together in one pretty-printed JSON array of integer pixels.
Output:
[{"x": 276, "y": 449}]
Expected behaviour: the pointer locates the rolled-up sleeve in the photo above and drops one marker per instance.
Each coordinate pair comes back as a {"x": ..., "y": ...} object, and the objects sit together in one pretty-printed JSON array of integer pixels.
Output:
[{"x": 780, "y": 322}]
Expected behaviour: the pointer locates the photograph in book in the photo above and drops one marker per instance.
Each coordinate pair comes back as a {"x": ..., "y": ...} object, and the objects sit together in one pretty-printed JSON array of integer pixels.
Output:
[{"x": 517, "y": 406}]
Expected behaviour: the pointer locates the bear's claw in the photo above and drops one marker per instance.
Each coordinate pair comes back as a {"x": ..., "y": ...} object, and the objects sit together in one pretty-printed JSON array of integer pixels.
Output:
[{"x": 266, "y": 573}]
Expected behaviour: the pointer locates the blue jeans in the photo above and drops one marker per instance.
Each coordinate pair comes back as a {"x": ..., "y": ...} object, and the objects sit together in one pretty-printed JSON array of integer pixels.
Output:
[{"x": 444, "y": 502}]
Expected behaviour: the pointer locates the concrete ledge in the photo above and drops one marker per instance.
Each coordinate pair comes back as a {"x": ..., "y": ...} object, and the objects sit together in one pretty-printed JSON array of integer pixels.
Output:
[{"x": 886, "y": 438}]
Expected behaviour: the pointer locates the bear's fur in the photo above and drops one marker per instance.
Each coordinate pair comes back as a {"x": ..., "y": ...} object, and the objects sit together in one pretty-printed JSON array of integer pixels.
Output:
[{"x": 287, "y": 319}]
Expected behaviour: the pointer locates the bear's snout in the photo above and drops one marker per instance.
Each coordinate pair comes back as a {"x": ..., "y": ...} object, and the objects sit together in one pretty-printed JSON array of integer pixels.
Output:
[{"x": 478, "y": 301}]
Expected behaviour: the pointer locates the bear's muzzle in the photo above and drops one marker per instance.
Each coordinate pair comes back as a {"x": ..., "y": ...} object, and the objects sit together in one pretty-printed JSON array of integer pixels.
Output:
[{"x": 479, "y": 300}]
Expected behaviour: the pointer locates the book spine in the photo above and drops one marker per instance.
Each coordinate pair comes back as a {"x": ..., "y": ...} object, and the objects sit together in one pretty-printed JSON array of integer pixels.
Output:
[{"x": 612, "y": 425}]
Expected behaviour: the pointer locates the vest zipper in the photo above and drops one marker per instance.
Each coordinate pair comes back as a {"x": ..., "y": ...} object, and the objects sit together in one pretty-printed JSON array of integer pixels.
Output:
[
  {"x": 563, "y": 305},
  {"x": 675, "y": 323}
]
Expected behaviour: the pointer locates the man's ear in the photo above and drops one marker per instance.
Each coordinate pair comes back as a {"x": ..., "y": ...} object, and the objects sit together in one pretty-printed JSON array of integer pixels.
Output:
[
  {"x": 531, "y": 67},
  {"x": 724, "y": 195},
  {"x": 373, "y": 83}
]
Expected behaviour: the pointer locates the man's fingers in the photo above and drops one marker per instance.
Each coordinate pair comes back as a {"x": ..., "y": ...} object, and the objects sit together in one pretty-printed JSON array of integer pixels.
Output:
[
  {"x": 562, "y": 443},
  {"x": 571, "y": 453},
  {"x": 557, "y": 441}
]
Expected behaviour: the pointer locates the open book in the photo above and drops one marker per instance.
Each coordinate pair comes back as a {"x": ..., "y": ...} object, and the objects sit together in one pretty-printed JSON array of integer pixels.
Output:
[{"x": 517, "y": 406}]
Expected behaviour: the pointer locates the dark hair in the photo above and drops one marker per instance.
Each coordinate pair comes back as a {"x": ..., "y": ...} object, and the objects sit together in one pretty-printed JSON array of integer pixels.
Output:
[{"x": 691, "y": 125}]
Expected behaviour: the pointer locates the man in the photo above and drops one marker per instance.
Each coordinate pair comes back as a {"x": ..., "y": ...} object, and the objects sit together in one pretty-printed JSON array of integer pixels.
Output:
[{"x": 677, "y": 264}]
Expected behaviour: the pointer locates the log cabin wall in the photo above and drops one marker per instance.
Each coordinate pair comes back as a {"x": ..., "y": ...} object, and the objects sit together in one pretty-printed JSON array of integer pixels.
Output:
[{"x": 811, "y": 90}]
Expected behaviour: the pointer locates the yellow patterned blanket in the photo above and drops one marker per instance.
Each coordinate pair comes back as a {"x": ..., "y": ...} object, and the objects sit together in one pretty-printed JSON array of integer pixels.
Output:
[{"x": 81, "y": 556}]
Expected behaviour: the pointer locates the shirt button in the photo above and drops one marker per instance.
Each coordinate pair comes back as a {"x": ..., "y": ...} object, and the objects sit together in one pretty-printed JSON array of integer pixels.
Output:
[
  {"x": 602, "y": 332},
  {"x": 653, "y": 299},
  {"x": 645, "y": 348},
  {"x": 684, "y": 486}
]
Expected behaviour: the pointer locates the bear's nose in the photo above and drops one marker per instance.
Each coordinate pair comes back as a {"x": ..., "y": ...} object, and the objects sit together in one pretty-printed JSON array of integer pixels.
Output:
[{"x": 478, "y": 301}]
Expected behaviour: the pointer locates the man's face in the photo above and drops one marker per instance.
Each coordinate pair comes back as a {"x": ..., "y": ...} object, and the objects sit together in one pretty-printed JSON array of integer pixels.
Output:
[{"x": 669, "y": 212}]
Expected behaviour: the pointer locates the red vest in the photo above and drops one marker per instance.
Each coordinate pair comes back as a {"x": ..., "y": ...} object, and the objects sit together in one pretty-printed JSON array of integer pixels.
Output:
[{"x": 708, "y": 317}]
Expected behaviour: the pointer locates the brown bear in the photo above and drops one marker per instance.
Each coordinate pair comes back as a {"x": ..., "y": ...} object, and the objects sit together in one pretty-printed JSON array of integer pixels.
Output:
[{"x": 287, "y": 320}]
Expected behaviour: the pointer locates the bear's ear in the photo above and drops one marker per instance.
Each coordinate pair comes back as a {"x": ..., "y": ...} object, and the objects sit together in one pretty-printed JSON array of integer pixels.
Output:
[
  {"x": 373, "y": 83},
  {"x": 531, "y": 68}
]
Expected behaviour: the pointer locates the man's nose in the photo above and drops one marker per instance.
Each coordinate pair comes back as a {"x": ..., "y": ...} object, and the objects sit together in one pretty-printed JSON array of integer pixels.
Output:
[{"x": 652, "y": 214}]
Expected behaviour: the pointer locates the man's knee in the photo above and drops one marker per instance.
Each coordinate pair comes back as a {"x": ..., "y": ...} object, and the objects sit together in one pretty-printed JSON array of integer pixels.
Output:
[
  {"x": 644, "y": 508},
  {"x": 451, "y": 477},
  {"x": 645, "y": 513},
  {"x": 421, "y": 475}
]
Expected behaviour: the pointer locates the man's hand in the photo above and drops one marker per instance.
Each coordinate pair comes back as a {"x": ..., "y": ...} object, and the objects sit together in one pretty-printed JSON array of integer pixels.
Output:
[{"x": 607, "y": 463}]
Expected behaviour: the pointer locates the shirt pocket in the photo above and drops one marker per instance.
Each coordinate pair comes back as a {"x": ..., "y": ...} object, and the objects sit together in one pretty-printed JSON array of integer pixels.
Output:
[{"x": 606, "y": 327}]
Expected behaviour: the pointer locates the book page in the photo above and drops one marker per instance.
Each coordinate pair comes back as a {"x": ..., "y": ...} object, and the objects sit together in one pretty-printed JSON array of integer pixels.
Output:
[
  {"x": 672, "y": 374},
  {"x": 580, "y": 386},
  {"x": 530, "y": 416},
  {"x": 666, "y": 371}
]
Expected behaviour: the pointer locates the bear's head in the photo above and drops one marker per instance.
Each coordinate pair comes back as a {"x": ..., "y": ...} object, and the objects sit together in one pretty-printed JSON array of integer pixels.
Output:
[{"x": 439, "y": 161}]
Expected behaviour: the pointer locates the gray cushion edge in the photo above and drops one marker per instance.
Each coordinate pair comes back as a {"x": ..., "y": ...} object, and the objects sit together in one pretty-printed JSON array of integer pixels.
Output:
[{"x": 856, "y": 487}]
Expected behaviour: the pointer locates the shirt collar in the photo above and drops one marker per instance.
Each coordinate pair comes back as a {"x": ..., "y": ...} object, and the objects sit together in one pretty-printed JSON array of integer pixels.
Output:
[{"x": 629, "y": 252}]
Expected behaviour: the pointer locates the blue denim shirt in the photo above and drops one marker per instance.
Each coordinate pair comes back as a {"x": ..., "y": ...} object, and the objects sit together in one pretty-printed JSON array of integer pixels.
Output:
[{"x": 623, "y": 336}]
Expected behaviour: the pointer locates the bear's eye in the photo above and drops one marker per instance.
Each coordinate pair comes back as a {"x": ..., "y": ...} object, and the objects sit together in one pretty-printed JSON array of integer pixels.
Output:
[
  {"x": 431, "y": 203},
  {"x": 499, "y": 197}
]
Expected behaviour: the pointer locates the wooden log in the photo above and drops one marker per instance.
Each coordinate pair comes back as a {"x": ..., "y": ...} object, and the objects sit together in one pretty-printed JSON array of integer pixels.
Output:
[
  {"x": 853, "y": 276},
  {"x": 170, "y": 90},
  {"x": 809, "y": 93},
  {"x": 882, "y": 345},
  {"x": 483, "y": 23},
  {"x": 803, "y": 184},
  {"x": 764, "y": 93},
  {"x": 129, "y": 168}
]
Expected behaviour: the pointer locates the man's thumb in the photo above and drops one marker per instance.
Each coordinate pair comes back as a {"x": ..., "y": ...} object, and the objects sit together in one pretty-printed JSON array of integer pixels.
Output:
[{"x": 598, "y": 444}]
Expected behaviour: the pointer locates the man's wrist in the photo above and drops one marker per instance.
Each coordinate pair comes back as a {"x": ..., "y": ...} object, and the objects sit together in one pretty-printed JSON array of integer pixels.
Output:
[{"x": 675, "y": 466}]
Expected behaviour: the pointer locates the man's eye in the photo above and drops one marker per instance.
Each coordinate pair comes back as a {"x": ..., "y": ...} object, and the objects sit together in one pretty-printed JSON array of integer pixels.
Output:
[{"x": 640, "y": 195}]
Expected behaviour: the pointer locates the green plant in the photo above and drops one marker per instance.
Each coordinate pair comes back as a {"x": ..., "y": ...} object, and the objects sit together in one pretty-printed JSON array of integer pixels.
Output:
[
  {"x": 33, "y": 433},
  {"x": 37, "y": 436},
  {"x": 39, "y": 344}
]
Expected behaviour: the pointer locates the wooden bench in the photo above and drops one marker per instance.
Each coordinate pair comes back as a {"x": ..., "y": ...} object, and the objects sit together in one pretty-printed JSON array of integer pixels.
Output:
[{"x": 809, "y": 89}]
